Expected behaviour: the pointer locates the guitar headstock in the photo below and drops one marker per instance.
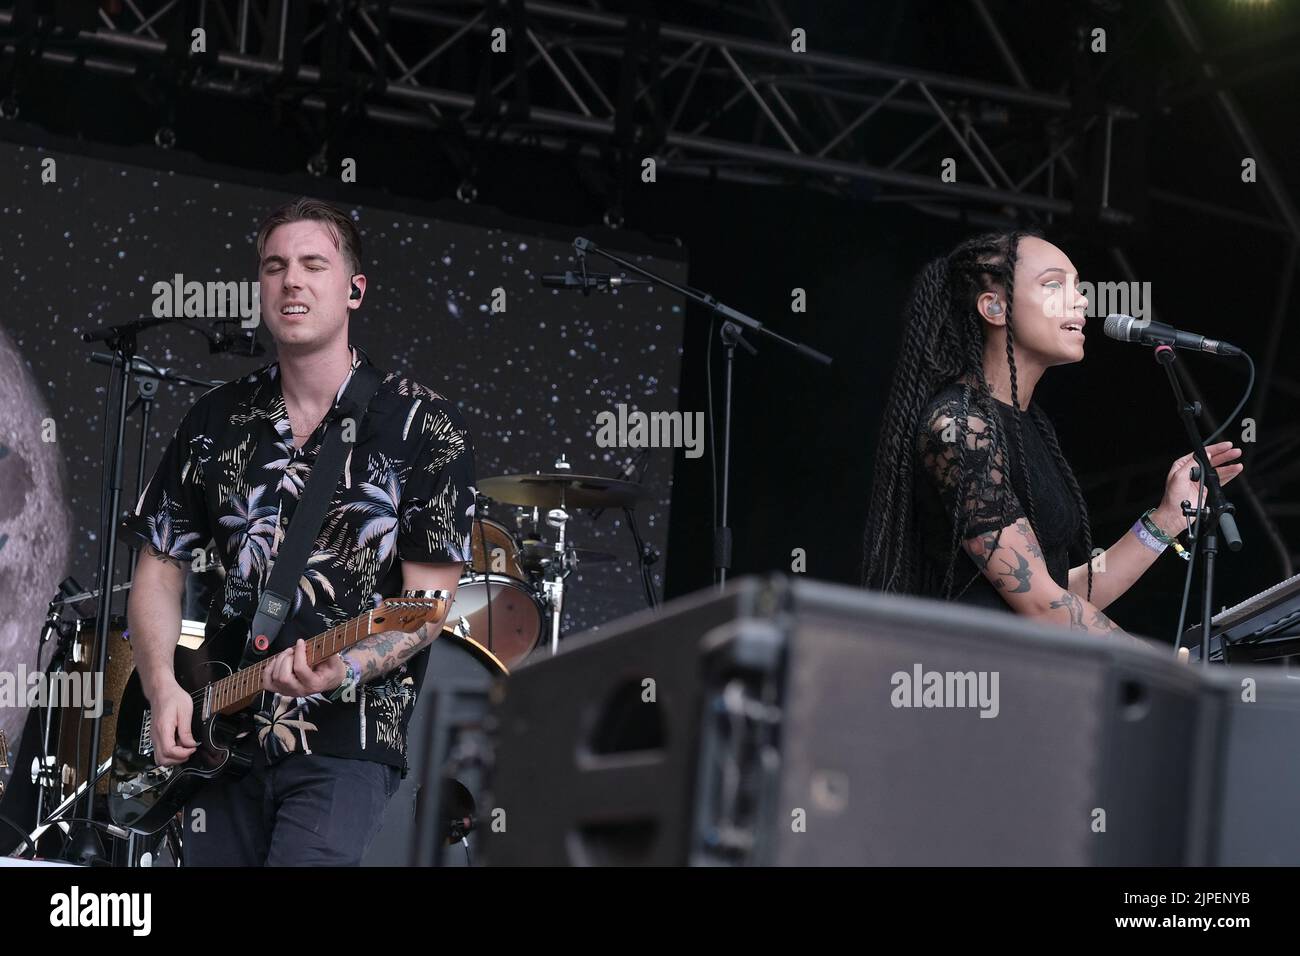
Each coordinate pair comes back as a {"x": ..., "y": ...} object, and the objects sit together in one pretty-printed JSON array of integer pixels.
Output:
[{"x": 410, "y": 611}]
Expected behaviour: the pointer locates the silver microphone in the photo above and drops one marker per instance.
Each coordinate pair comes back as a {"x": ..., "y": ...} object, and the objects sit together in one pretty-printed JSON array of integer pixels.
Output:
[{"x": 1125, "y": 328}]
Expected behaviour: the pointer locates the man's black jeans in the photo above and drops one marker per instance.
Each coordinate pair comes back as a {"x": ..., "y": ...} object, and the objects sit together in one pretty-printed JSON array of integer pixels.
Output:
[{"x": 303, "y": 810}]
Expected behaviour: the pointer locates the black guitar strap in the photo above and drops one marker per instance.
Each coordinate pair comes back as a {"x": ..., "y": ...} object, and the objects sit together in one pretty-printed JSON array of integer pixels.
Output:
[{"x": 277, "y": 597}]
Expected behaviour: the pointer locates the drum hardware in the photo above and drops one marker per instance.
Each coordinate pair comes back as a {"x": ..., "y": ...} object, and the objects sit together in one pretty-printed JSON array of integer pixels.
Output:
[
  {"x": 60, "y": 769},
  {"x": 553, "y": 583},
  {"x": 535, "y": 556},
  {"x": 56, "y": 816},
  {"x": 543, "y": 567},
  {"x": 88, "y": 595},
  {"x": 526, "y": 524},
  {"x": 44, "y": 771}
]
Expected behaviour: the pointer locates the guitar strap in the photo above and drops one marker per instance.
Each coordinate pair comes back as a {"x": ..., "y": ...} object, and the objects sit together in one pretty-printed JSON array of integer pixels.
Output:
[{"x": 276, "y": 601}]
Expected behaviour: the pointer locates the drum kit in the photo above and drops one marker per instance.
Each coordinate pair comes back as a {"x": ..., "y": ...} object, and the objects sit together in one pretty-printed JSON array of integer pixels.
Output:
[{"x": 512, "y": 594}]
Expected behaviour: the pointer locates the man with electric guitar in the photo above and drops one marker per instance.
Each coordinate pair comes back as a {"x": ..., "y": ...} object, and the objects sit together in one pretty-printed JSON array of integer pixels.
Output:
[{"x": 285, "y": 746}]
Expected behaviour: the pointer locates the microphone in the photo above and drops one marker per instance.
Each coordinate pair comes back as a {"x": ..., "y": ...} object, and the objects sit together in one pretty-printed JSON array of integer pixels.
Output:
[
  {"x": 238, "y": 339},
  {"x": 70, "y": 587},
  {"x": 591, "y": 280},
  {"x": 138, "y": 367},
  {"x": 1125, "y": 328}
]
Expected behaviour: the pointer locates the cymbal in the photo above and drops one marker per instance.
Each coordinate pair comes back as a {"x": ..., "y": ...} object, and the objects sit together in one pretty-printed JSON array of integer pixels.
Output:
[{"x": 569, "y": 490}]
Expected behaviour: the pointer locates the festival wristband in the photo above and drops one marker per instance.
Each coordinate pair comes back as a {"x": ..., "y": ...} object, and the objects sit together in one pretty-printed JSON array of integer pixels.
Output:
[
  {"x": 1147, "y": 538},
  {"x": 1155, "y": 537}
]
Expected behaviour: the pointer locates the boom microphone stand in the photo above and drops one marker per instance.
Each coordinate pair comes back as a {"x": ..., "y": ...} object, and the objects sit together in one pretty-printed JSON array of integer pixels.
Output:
[
  {"x": 733, "y": 325},
  {"x": 1218, "y": 512}
]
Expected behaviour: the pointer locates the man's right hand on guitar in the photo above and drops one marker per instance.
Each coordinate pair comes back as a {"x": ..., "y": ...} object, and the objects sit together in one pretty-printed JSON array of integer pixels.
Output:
[{"x": 171, "y": 709}]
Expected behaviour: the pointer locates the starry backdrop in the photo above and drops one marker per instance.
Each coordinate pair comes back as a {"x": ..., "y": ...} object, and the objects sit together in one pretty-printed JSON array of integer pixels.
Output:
[{"x": 85, "y": 251}]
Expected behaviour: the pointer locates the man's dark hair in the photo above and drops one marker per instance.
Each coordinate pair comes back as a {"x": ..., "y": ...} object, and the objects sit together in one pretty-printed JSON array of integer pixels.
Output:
[{"x": 340, "y": 225}]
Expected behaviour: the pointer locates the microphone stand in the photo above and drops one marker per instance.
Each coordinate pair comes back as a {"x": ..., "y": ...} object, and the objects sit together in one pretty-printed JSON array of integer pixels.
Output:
[
  {"x": 1217, "y": 515},
  {"x": 121, "y": 339},
  {"x": 732, "y": 334}
]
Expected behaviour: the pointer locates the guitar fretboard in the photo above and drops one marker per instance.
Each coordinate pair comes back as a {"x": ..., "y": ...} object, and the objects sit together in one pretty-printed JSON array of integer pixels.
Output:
[{"x": 238, "y": 690}]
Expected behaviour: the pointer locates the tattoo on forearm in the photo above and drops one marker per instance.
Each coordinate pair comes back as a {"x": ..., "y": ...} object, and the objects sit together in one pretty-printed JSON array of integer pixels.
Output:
[
  {"x": 1102, "y": 623},
  {"x": 1098, "y": 623},
  {"x": 381, "y": 653},
  {"x": 1074, "y": 607}
]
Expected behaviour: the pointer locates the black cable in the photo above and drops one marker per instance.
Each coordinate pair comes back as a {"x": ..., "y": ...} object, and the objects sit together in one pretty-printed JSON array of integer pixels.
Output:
[
  {"x": 1200, "y": 503},
  {"x": 713, "y": 447},
  {"x": 647, "y": 578},
  {"x": 1250, "y": 387},
  {"x": 26, "y": 837},
  {"x": 1191, "y": 566}
]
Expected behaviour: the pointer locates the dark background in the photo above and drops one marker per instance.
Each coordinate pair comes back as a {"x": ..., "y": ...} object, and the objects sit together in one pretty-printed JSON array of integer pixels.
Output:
[{"x": 803, "y": 436}]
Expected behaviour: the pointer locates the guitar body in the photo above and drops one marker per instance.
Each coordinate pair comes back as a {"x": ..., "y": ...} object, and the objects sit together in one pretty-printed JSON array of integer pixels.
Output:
[{"x": 143, "y": 796}]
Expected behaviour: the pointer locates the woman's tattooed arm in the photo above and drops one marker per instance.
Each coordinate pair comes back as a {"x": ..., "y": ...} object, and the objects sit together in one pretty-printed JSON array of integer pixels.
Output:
[{"x": 1012, "y": 560}]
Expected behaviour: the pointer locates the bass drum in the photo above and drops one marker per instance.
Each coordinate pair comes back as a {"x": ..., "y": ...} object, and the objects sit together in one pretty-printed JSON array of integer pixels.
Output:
[{"x": 498, "y": 613}]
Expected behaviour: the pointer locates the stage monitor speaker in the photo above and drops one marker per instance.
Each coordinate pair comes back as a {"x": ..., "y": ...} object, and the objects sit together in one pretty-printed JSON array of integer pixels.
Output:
[
  {"x": 1246, "y": 807},
  {"x": 917, "y": 733},
  {"x": 594, "y": 749},
  {"x": 791, "y": 722}
]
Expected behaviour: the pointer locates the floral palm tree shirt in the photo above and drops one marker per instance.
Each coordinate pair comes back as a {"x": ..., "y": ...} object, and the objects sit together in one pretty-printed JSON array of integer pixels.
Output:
[{"x": 232, "y": 474}]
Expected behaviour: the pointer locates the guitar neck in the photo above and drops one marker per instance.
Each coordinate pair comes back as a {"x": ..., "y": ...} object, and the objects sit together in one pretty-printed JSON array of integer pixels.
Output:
[{"x": 237, "y": 691}]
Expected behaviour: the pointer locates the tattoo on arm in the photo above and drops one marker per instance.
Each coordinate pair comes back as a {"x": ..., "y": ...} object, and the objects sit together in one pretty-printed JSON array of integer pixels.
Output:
[
  {"x": 988, "y": 543},
  {"x": 1074, "y": 607},
  {"x": 381, "y": 653},
  {"x": 153, "y": 552},
  {"x": 1031, "y": 543},
  {"x": 1020, "y": 572},
  {"x": 1099, "y": 622},
  {"x": 1102, "y": 623}
]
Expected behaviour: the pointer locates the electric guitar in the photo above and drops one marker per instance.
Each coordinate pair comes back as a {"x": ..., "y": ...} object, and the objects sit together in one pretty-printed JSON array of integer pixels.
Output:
[{"x": 143, "y": 796}]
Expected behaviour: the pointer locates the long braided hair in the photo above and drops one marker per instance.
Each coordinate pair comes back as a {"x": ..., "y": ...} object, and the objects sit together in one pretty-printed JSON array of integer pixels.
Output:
[{"x": 943, "y": 343}]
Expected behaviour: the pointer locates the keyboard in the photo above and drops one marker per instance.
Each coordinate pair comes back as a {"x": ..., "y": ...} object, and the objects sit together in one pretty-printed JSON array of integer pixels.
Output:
[{"x": 1265, "y": 626}]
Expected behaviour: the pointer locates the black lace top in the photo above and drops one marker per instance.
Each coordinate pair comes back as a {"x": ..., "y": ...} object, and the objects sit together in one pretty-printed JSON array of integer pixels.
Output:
[{"x": 994, "y": 497}]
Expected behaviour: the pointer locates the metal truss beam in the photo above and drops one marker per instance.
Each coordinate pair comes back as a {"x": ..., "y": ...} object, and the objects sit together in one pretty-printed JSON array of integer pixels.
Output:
[{"x": 757, "y": 107}]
